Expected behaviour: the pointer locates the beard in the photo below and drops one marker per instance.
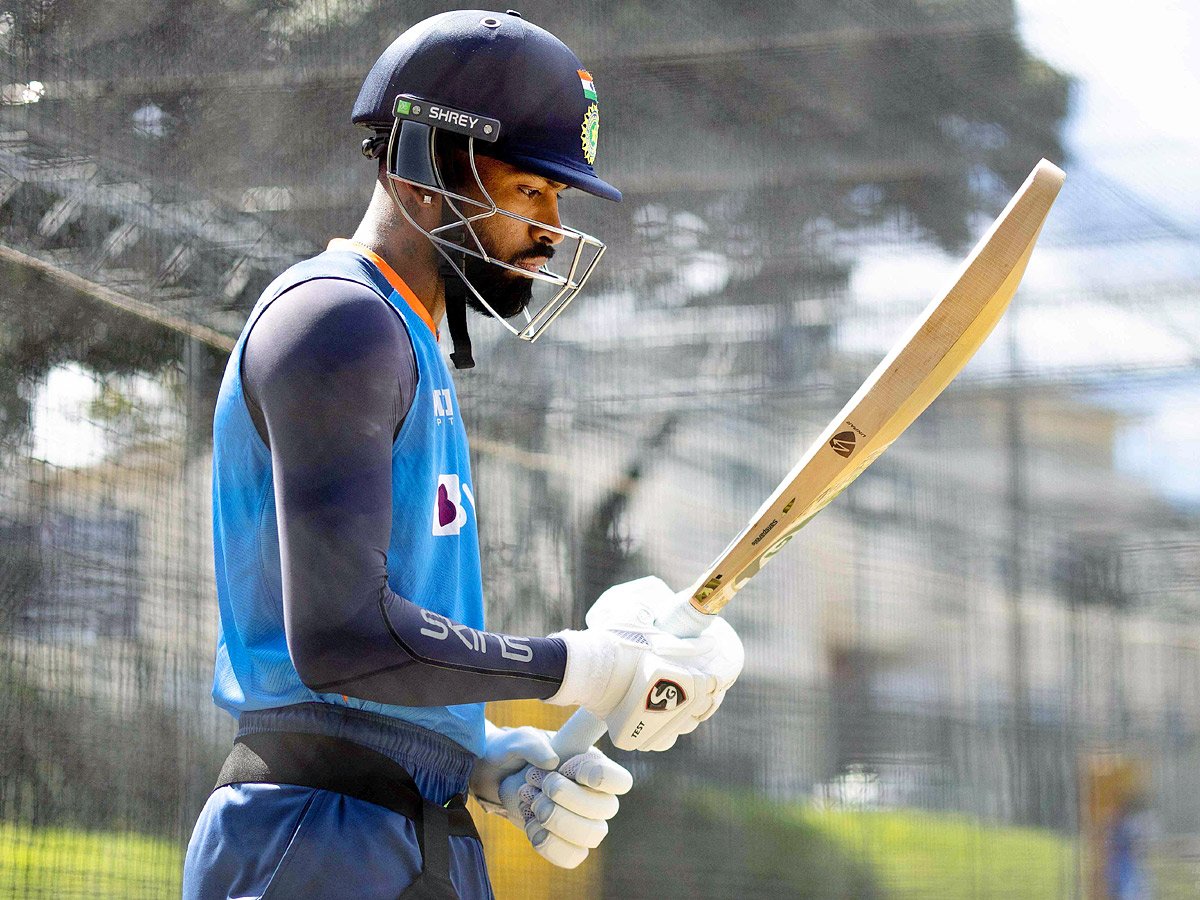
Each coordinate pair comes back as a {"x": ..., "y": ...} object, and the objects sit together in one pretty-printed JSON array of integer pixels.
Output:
[{"x": 507, "y": 292}]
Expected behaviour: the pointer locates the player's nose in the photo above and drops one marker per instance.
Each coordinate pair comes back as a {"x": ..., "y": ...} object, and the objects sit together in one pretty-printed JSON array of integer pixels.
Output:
[{"x": 548, "y": 216}]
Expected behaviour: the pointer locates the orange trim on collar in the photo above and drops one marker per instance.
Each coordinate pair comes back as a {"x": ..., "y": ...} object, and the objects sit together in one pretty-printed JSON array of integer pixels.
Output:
[{"x": 392, "y": 278}]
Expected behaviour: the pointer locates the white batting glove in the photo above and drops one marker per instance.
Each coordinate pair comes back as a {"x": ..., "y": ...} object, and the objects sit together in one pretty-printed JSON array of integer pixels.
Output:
[
  {"x": 649, "y": 686},
  {"x": 505, "y": 751},
  {"x": 564, "y": 813}
]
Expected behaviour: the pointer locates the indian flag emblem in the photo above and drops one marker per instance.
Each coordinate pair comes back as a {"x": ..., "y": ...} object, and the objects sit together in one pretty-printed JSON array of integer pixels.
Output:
[{"x": 589, "y": 86}]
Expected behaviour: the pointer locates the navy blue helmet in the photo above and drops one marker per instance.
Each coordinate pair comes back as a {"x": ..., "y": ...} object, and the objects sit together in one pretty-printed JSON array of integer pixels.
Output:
[
  {"x": 500, "y": 67},
  {"x": 506, "y": 89}
]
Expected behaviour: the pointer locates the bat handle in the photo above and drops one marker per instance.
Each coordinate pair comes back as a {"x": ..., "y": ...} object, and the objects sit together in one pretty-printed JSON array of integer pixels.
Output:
[
  {"x": 583, "y": 729},
  {"x": 685, "y": 620},
  {"x": 577, "y": 735}
]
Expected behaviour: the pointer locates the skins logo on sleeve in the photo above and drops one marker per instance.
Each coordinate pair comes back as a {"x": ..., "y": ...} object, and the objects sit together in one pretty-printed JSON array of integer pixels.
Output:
[{"x": 441, "y": 629}]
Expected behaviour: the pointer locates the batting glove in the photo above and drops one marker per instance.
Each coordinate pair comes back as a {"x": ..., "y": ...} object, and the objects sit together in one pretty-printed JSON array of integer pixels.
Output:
[
  {"x": 564, "y": 813},
  {"x": 648, "y": 685}
]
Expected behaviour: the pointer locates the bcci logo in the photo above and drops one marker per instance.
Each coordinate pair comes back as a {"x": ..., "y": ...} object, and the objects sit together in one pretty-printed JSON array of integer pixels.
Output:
[
  {"x": 665, "y": 695},
  {"x": 591, "y": 132}
]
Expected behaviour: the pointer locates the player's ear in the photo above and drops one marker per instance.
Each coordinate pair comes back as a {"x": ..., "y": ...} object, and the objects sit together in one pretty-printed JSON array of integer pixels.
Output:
[{"x": 421, "y": 203}]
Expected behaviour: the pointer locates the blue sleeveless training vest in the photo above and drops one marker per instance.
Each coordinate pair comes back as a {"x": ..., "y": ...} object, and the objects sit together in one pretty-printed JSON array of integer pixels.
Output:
[{"x": 433, "y": 555}]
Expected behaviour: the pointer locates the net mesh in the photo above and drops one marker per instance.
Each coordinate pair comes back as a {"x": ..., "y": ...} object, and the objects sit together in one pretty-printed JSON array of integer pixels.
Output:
[{"x": 960, "y": 677}]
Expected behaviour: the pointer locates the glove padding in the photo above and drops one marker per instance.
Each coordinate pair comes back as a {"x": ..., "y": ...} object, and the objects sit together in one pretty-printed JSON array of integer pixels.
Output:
[
  {"x": 648, "y": 685},
  {"x": 564, "y": 813}
]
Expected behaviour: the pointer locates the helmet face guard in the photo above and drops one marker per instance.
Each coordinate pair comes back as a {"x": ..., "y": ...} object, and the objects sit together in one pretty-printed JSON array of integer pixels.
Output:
[{"x": 412, "y": 159}]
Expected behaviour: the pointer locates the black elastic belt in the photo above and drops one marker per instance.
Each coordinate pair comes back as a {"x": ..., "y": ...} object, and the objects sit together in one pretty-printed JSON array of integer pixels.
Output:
[{"x": 344, "y": 767}]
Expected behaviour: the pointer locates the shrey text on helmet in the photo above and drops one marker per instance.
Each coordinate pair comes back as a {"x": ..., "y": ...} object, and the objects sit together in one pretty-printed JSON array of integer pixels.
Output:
[{"x": 452, "y": 116}]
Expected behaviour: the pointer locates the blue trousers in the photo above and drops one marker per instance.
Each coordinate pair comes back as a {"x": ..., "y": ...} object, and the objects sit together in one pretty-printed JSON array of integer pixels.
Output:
[
  {"x": 278, "y": 841},
  {"x": 261, "y": 841}
]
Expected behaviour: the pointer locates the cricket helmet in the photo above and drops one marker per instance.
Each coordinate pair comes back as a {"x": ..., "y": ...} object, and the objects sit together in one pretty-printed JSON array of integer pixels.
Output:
[{"x": 513, "y": 92}]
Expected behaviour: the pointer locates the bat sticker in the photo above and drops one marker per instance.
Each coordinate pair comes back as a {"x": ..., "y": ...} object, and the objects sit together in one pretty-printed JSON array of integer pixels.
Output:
[{"x": 843, "y": 443}]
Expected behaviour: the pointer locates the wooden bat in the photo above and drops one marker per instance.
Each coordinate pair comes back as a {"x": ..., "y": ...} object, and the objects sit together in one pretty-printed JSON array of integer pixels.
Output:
[{"x": 931, "y": 352}]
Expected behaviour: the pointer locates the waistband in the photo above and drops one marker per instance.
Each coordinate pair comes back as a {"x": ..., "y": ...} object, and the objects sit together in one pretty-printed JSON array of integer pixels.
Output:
[
  {"x": 348, "y": 768},
  {"x": 440, "y": 767}
]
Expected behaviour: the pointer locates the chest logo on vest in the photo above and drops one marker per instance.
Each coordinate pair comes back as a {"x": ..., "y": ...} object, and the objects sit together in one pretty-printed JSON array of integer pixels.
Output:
[
  {"x": 443, "y": 406},
  {"x": 449, "y": 511}
]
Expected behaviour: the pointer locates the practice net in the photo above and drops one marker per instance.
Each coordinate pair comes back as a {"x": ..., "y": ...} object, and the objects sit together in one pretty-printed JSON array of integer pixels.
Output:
[{"x": 962, "y": 678}]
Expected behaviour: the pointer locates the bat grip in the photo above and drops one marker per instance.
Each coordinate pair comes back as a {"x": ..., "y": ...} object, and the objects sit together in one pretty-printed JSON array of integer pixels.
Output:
[
  {"x": 685, "y": 620},
  {"x": 583, "y": 729},
  {"x": 577, "y": 735}
]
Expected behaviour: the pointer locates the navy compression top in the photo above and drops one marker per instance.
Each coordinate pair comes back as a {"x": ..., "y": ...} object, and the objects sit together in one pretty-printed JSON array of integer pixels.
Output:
[{"x": 329, "y": 376}]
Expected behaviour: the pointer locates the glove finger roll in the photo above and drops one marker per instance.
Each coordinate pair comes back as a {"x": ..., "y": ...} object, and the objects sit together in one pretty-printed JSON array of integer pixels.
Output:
[
  {"x": 586, "y": 802},
  {"x": 568, "y": 825},
  {"x": 550, "y": 846},
  {"x": 595, "y": 770}
]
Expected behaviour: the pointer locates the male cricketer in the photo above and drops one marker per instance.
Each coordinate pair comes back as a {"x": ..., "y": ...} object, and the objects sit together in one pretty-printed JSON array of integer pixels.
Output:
[{"x": 352, "y": 648}]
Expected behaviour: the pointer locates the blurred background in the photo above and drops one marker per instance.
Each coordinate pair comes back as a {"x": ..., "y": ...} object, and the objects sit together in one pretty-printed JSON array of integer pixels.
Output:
[{"x": 974, "y": 676}]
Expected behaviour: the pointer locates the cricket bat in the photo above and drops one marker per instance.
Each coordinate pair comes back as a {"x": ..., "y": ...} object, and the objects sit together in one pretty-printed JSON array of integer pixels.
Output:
[{"x": 931, "y": 352}]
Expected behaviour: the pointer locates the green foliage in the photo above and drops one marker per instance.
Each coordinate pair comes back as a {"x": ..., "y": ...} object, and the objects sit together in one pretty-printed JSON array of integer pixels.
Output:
[
  {"x": 673, "y": 845},
  {"x": 938, "y": 856},
  {"x": 747, "y": 848},
  {"x": 795, "y": 852},
  {"x": 60, "y": 864},
  {"x": 733, "y": 843}
]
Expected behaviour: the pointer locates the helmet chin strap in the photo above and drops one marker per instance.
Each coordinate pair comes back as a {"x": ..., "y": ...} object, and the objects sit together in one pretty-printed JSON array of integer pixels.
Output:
[{"x": 454, "y": 291}]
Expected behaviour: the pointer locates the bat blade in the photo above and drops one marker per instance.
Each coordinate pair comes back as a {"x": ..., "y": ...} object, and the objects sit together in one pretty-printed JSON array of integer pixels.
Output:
[
  {"x": 919, "y": 366},
  {"x": 934, "y": 349}
]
